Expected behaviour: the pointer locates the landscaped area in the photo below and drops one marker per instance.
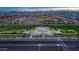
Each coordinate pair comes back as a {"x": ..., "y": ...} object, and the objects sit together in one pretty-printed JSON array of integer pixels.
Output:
[
  {"x": 27, "y": 27},
  {"x": 18, "y": 30}
]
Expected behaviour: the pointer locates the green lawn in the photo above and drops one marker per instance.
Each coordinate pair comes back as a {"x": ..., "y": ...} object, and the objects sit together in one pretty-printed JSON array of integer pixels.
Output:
[
  {"x": 21, "y": 27},
  {"x": 16, "y": 30}
]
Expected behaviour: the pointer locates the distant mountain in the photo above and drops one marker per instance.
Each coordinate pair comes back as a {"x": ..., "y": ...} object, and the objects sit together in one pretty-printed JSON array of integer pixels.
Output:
[
  {"x": 70, "y": 13},
  {"x": 33, "y": 9}
]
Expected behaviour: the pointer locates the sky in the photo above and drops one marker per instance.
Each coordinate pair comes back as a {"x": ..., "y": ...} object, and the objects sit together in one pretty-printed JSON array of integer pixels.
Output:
[{"x": 22, "y": 9}]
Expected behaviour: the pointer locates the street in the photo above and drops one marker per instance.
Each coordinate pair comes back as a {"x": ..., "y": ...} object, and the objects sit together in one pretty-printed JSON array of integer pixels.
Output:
[{"x": 53, "y": 44}]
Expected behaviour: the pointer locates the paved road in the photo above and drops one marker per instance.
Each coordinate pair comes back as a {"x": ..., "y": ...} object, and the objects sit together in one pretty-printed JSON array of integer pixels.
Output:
[
  {"x": 53, "y": 44},
  {"x": 40, "y": 39}
]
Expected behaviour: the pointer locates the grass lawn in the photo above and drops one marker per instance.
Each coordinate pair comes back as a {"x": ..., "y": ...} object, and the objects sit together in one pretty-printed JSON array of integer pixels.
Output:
[{"x": 21, "y": 27}]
